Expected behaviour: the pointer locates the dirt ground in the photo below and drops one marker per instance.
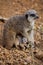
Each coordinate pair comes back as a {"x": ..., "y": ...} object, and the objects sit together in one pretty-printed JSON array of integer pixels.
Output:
[{"x": 14, "y": 56}]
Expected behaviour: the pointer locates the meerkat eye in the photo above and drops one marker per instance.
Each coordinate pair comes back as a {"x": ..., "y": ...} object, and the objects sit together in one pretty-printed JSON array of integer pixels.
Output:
[{"x": 33, "y": 15}]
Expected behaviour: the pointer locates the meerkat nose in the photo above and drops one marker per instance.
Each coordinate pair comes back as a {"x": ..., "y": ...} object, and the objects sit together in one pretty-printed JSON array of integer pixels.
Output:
[{"x": 36, "y": 17}]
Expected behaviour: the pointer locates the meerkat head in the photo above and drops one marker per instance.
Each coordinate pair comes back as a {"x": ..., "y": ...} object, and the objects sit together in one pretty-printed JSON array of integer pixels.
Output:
[{"x": 31, "y": 15}]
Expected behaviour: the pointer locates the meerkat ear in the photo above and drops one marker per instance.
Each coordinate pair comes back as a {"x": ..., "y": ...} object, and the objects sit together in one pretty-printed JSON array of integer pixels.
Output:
[{"x": 26, "y": 16}]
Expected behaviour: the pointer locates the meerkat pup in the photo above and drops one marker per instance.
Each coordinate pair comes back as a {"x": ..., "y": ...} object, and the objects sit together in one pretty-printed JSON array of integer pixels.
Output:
[
  {"x": 22, "y": 24},
  {"x": 22, "y": 41}
]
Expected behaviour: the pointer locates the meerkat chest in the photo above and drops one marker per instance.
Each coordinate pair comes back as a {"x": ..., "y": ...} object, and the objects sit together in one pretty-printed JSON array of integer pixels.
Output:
[
  {"x": 29, "y": 29},
  {"x": 32, "y": 25}
]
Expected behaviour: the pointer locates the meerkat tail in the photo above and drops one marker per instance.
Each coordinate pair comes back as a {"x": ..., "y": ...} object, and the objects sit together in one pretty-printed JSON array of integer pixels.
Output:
[{"x": 2, "y": 19}]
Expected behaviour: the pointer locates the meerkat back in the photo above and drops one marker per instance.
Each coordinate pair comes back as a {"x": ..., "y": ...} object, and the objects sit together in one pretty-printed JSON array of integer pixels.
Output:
[{"x": 11, "y": 28}]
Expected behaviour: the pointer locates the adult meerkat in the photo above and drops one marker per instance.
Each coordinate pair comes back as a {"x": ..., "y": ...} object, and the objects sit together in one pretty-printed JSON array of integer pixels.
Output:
[
  {"x": 22, "y": 24},
  {"x": 19, "y": 40}
]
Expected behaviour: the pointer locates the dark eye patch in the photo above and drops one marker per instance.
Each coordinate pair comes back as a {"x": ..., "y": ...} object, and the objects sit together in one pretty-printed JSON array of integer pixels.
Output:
[{"x": 33, "y": 15}]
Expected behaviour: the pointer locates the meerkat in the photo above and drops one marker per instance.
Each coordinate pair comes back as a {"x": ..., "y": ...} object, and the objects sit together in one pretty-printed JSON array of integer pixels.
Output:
[
  {"x": 23, "y": 24},
  {"x": 20, "y": 40}
]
